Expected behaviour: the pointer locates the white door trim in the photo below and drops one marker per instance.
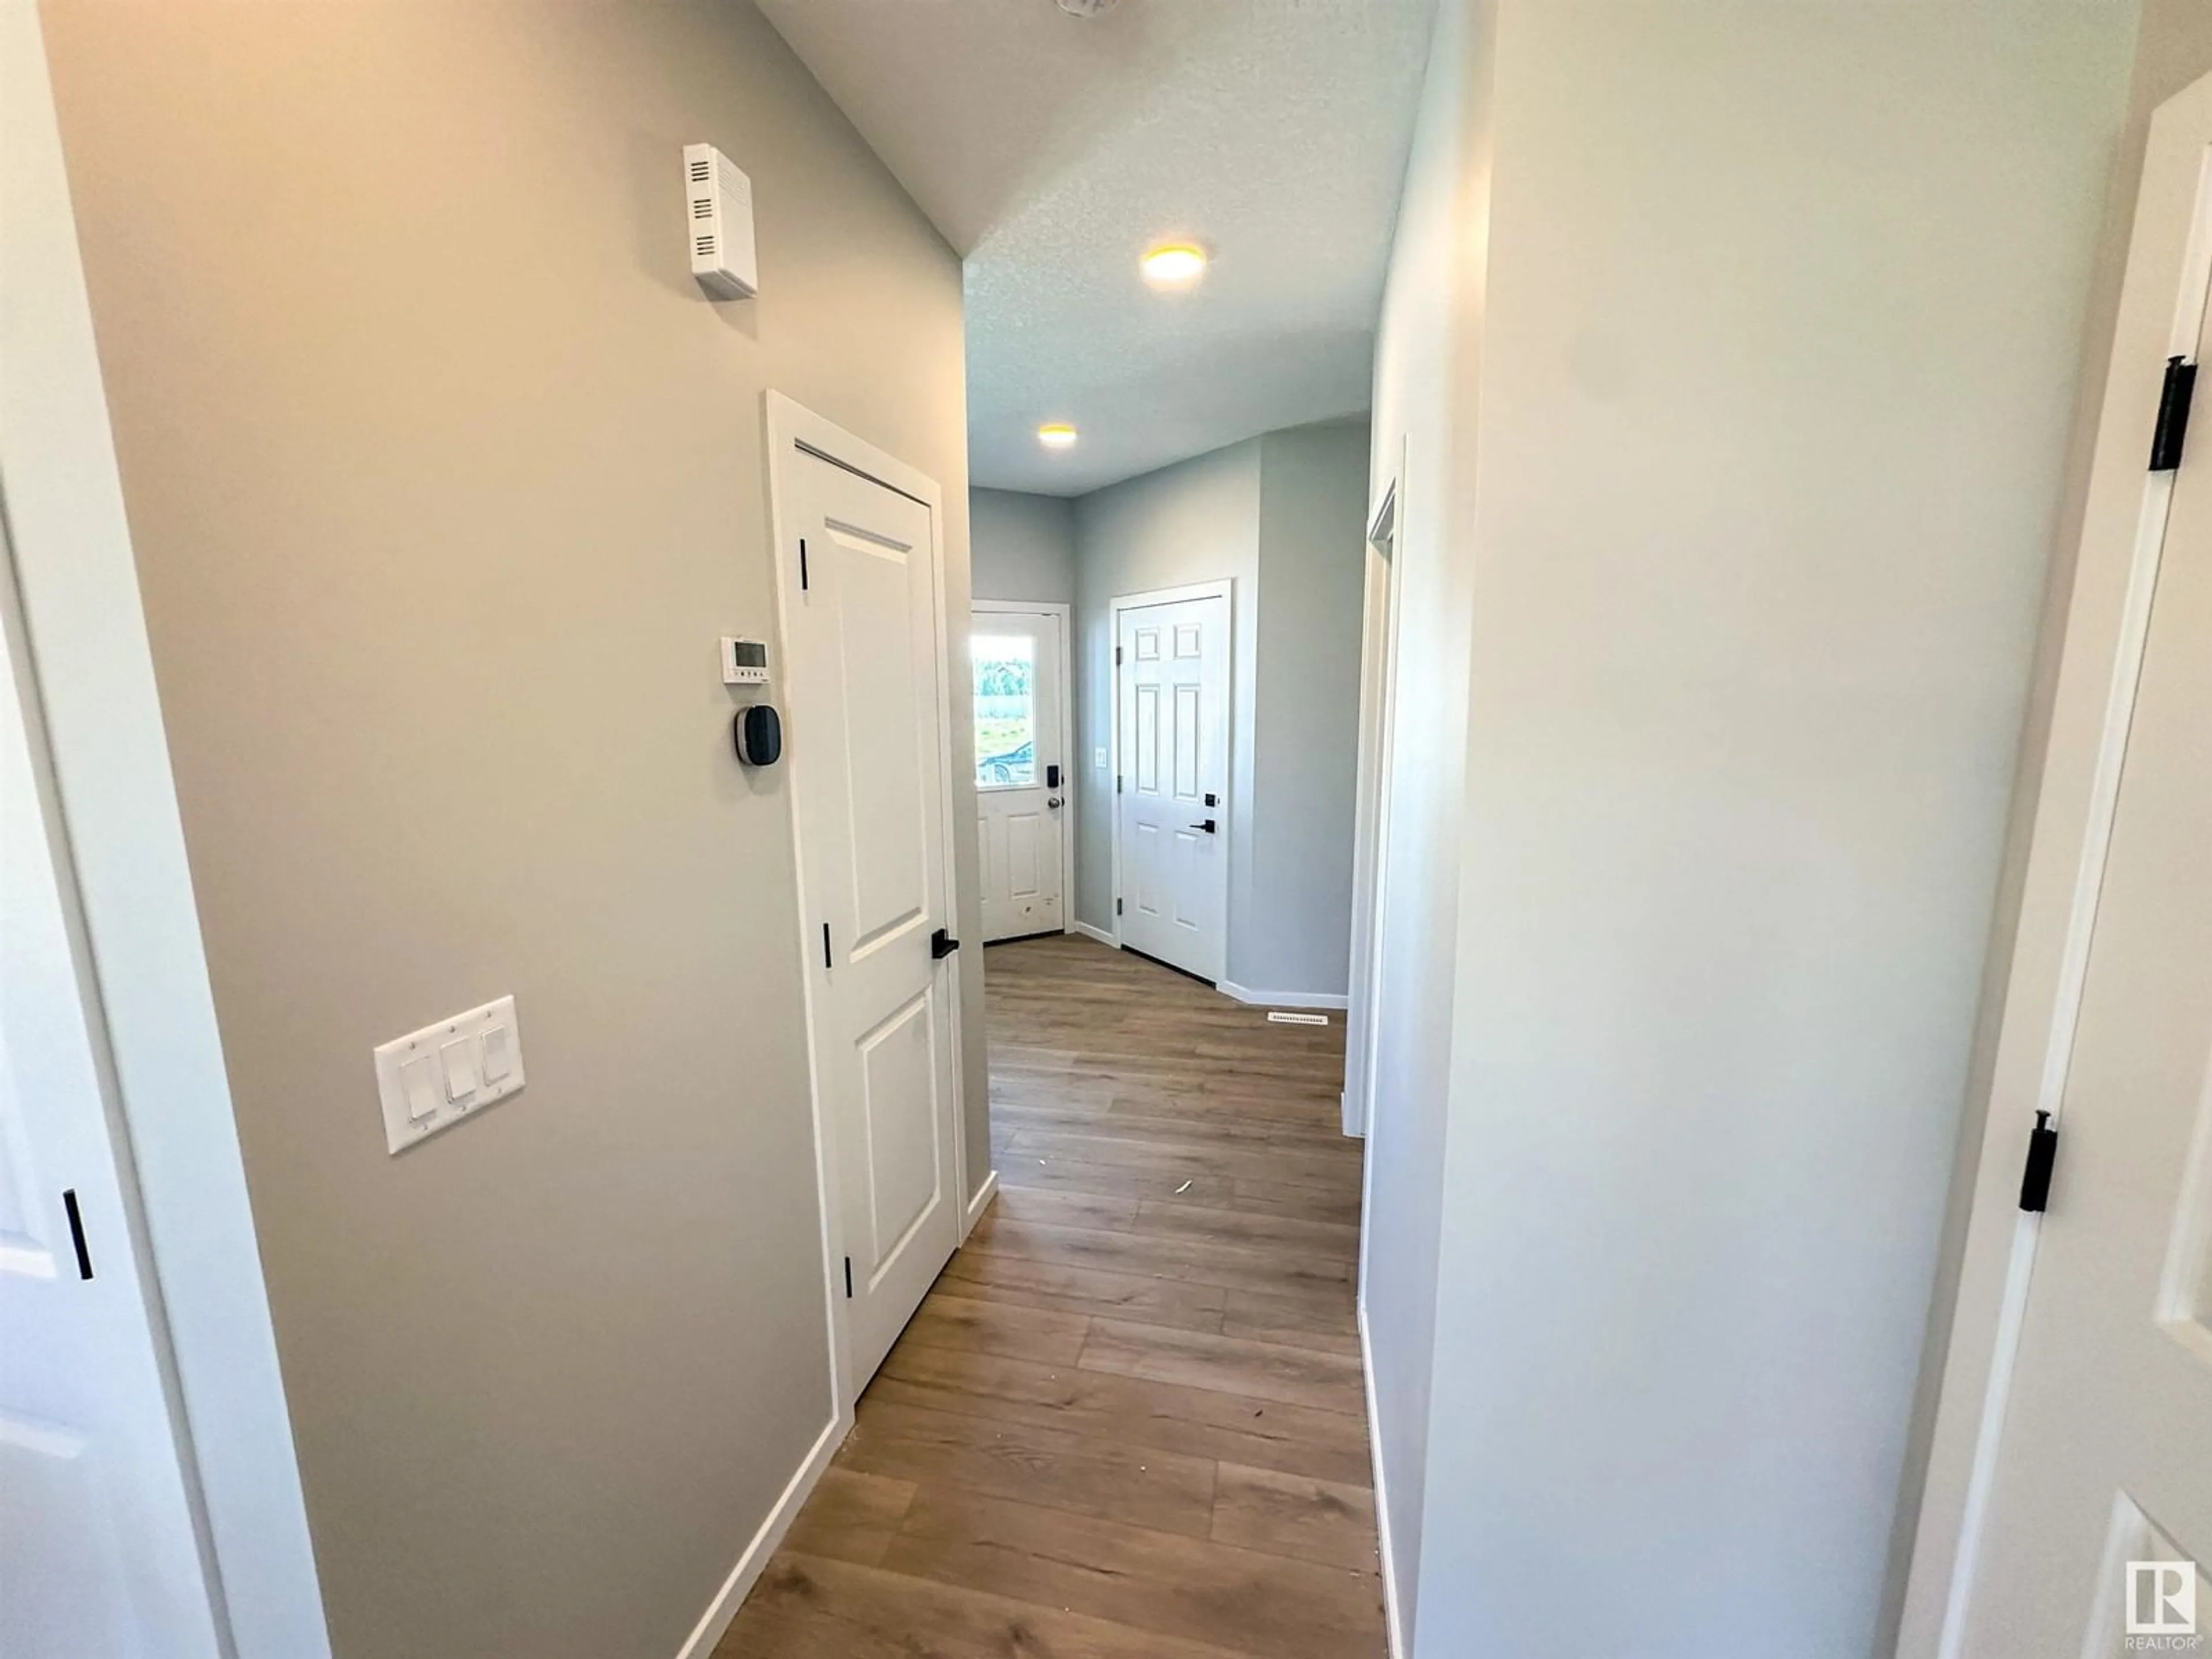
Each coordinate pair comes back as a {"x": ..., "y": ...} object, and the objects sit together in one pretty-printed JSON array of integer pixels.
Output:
[
  {"x": 78, "y": 583},
  {"x": 1225, "y": 591},
  {"x": 2162, "y": 312},
  {"x": 1377, "y": 706},
  {"x": 792, "y": 428},
  {"x": 1066, "y": 612}
]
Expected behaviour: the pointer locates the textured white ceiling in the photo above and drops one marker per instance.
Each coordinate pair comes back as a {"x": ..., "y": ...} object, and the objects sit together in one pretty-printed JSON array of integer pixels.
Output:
[{"x": 1052, "y": 151}]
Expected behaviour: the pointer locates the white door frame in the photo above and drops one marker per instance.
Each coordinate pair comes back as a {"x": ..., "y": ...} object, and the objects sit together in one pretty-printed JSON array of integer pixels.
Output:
[
  {"x": 181, "y": 1168},
  {"x": 1225, "y": 591},
  {"x": 792, "y": 428},
  {"x": 2162, "y": 311},
  {"x": 1066, "y": 612},
  {"x": 1371, "y": 832}
]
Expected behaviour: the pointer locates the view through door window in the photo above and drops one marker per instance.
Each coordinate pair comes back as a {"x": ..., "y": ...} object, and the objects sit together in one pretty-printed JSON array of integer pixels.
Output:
[{"x": 1006, "y": 711}]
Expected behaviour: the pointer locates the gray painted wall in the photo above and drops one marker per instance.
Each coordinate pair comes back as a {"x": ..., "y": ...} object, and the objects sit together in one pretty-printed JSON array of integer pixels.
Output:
[
  {"x": 1198, "y": 521},
  {"x": 1022, "y": 546},
  {"x": 1753, "y": 528},
  {"x": 1296, "y": 934},
  {"x": 435, "y": 548},
  {"x": 1428, "y": 347}
]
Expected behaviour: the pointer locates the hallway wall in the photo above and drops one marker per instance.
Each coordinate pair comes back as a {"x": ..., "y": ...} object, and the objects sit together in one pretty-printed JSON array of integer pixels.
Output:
[
  {"x": 443, "y": 477},
  {"x": 1428, "y": 350},
  {"x": 1751, "y": 534},
  {"x": 1022, "y": 546},
  {"x": 1295, "y": 931}
]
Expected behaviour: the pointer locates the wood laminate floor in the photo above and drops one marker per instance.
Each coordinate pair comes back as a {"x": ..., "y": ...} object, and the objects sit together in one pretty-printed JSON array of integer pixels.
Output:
[{"x": 1127, "y": 1422}]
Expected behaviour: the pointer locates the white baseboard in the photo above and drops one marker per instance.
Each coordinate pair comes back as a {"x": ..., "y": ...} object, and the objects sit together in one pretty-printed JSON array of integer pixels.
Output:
[
  {"x": 1099, "y": 933},
  {"x": 1393, "y": 1625},
  {"x": 980, "y": 1203},
  {"x": 1283, "y": 999},
  {"x": 723, "y": 1610}
]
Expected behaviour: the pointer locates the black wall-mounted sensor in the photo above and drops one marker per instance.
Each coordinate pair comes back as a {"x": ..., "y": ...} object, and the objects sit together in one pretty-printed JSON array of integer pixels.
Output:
[{"x": 758, "y": 729}]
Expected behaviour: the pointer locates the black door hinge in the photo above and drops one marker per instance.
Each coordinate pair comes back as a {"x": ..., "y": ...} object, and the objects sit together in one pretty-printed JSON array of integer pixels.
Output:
[
  {"x": 802, "y": 564},
  {"x": 1117, "y": 783},
  {"x": 2042, "y": 1155},
  {"x": 1117, "y": 906},
  {"x": 849, "y": 1278},
  {"x": 1117, "y": 656},
  {"x": 76, "y": 1234},
  {"x": 828, "y": 961},
  {"x": 2172, "y": 428}
]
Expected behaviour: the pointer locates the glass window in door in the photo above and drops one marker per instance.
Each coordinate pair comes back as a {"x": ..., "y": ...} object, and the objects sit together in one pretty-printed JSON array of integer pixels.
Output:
[{"x": 1006, "y": 711}]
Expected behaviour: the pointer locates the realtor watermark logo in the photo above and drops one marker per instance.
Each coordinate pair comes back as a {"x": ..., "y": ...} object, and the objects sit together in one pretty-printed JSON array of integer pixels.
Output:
[{"x": 2162, "y": 1607}]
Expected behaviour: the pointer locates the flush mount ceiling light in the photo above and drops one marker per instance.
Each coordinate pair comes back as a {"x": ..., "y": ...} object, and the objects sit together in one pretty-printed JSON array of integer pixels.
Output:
[
  {"x": 1174, "y": 265},
  {"x": 1088, "y": 8},
  {"x": 1056, "y": 435}
]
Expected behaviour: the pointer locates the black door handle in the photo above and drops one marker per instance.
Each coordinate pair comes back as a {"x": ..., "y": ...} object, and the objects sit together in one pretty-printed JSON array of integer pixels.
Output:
[
  {"x": 77, "y": 1233},
  {"x": 1052, "y": 777},
  {"x": 1207, "y": 826},
  {"x": 941, "y": 944}
]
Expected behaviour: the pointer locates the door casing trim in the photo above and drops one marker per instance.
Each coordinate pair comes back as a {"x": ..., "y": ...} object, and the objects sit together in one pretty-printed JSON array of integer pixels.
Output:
[
  {"x": 1225, "y": 591},
  {"x": 793, "y": 430}
]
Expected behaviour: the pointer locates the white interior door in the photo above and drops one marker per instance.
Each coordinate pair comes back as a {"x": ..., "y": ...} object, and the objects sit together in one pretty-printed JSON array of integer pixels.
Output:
[
  {"x": 1171, "y": 663},
  {"x": 868, "y": 746},
  {"x": 2107, "y": 1453},
  {"x": 97, "y": 1552},
  {"x": 1021, "y": 778}
]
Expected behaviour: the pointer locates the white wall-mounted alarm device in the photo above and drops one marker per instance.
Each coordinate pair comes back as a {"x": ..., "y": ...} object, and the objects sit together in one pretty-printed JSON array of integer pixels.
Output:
[
  {"x": 718, "y": 216},
  {"x": 744, "y": 662}
]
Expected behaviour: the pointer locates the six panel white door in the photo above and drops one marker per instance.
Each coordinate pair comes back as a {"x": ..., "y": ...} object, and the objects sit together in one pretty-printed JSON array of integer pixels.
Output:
[
  {"x": 868, "y": 747},
  {"x": 2107, "y": 1454},
  {"x": 1173, "y": 713},
  {"x": 1021, "y": 795},
  {"x": 97, "y": 1553}
]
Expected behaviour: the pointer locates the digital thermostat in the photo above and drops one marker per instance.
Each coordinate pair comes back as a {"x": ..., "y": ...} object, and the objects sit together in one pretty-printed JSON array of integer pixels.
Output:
[{"x": 744, "y": 662}]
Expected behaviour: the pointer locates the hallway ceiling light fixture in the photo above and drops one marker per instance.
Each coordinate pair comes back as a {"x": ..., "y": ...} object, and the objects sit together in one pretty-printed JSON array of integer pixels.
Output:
[
  {"x": 1056, "y": 435},
  {"x": 1088, "y": 8},
  {"x": 1174, "y": 265}
]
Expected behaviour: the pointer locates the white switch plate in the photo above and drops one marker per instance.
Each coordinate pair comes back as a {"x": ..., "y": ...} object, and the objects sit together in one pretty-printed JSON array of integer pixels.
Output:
[
  {"x": 459, "y": 1081},
  {"x": 1098, "y": 758}
]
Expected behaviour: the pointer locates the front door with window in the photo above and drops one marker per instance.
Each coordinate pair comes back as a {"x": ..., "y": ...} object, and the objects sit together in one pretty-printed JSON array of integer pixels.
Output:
[{"x": 1021, "y": 795}]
